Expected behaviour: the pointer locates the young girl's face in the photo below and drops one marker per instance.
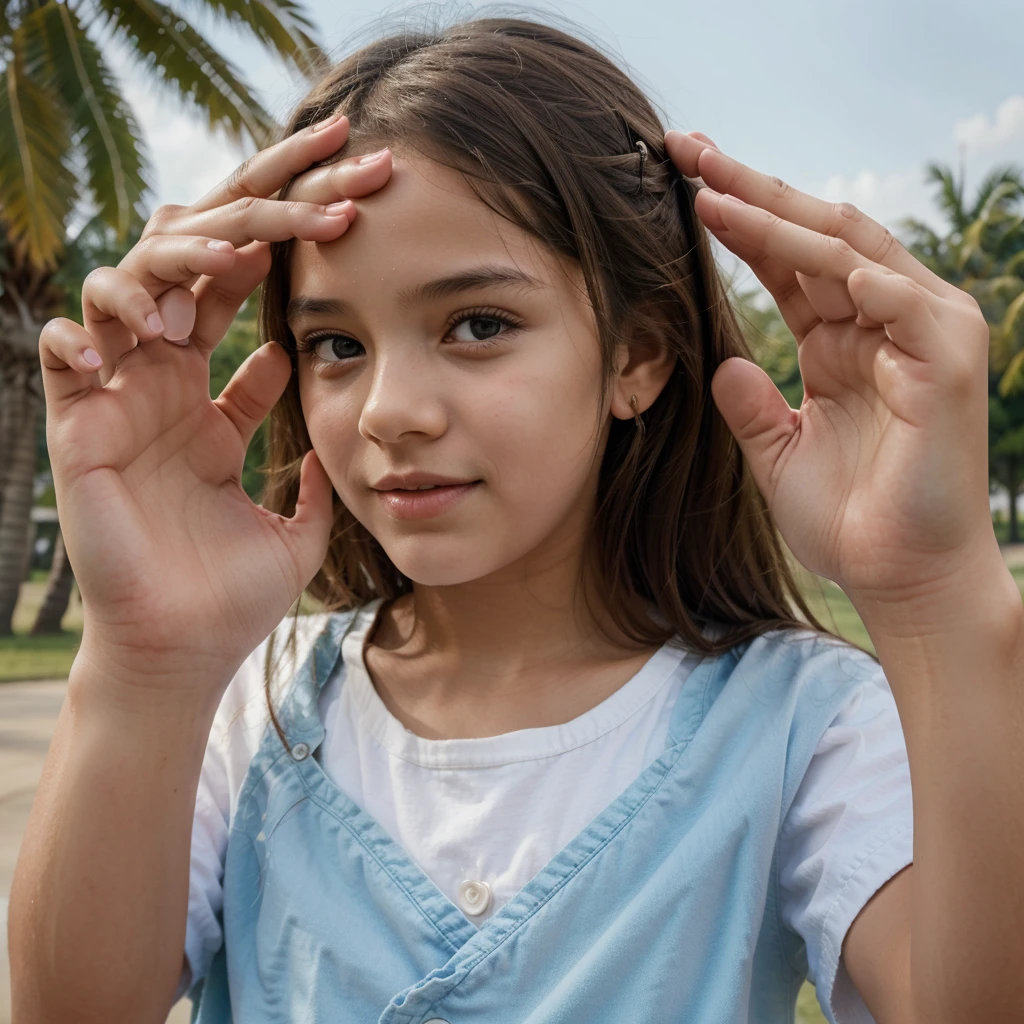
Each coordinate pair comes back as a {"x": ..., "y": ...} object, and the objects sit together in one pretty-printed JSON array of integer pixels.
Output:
[{"x": 407, "y": 364}]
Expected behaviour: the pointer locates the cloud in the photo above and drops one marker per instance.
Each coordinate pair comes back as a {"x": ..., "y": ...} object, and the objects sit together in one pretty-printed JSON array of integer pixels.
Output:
[{"x": 979, "y": 133}]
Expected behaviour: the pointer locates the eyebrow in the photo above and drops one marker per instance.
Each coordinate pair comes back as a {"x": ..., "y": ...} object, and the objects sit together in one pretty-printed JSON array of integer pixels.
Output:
[{"x": 488, "y": 274}]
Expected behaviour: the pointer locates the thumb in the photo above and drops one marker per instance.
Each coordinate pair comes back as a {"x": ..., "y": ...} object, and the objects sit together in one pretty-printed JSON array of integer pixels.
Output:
[
  {"x": 757, "y": 414},
  {"x": 309, "y": 530}
]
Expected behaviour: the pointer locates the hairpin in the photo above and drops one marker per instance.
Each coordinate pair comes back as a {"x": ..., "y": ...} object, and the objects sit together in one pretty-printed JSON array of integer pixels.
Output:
[{"x": 642, "y": 147}]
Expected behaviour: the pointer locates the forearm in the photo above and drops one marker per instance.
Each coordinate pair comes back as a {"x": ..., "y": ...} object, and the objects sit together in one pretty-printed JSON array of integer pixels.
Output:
[
  {"x": 955, "y": 662},
  {"x": 100, "y": 891}
]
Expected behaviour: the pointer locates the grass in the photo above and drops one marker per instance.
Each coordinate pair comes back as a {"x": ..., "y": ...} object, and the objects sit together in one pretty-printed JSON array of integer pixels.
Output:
[{"x": 27, "y": 657}]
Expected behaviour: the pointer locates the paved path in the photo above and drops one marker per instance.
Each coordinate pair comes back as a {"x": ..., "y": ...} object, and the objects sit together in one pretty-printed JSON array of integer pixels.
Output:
[{"x": 28, "y": 715}]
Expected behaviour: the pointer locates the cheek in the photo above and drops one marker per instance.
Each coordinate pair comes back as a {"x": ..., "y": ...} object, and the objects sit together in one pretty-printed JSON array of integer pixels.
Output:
[
  {"x": 332, "y": 425},
  {"x": 541, "y": 432}
]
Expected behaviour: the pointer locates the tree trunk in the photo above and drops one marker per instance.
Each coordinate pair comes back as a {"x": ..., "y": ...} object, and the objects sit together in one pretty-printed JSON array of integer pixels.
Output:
[
  {"x": 58, "y": 591},
  {"x": 1012, "y": 483},
  {"x": 23, "y": 397}
]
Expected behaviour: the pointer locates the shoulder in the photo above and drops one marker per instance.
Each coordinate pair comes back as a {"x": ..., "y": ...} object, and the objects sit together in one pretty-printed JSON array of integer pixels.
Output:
[
  {"x": 264, "y": 677},
  {"x": 809, "y": 665}
]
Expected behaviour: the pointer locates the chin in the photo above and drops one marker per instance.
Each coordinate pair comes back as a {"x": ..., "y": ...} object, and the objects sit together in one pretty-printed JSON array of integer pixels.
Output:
[{"x": 432, "y": 561}]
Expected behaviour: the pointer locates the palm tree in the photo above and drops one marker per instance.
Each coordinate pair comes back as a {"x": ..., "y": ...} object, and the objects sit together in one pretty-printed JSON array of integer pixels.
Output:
[
  {"x": 983, "y": 253},
  {"x": 69, "y": 142}
]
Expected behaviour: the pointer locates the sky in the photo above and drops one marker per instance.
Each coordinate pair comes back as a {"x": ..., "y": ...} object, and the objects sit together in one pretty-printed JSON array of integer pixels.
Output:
[{"x": 846, "y": 101}]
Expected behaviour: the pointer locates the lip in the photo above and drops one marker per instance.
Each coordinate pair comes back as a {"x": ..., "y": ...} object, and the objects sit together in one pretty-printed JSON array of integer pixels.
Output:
[
  {"x": 424, "y": 504},
  {"x": 416, "y": 479}
]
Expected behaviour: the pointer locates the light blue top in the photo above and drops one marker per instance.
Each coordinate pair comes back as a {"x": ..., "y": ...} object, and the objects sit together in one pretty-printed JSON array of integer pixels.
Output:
[{"x": 664, "y": 908}]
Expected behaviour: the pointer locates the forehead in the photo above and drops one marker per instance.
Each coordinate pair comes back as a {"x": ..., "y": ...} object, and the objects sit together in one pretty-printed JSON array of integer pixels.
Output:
[{"x": 425, "y": 220}]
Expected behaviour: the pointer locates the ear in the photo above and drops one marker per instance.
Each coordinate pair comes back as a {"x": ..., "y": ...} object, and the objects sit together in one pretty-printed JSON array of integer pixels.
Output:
[{"x": 645, "y": 364}]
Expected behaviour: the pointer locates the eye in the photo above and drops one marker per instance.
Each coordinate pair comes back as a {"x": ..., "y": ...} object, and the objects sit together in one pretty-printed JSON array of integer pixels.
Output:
[
  {"x": 482, "y": 331},
  {"x": 483, "y": 326},
  {"x": 328, "y": 347}
]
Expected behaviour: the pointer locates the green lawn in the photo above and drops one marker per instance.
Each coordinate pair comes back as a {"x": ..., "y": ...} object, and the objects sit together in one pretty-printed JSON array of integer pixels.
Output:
[{"x": 26, "y": 657}]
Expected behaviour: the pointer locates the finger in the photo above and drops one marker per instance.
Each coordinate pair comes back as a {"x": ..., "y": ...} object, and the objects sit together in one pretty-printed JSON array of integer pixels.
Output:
[
  {"x": 308, "y": 532},
  {"x": 703, "y": 138},
  {"x": 69, "y": 361},
  {"x": 218, "y": 299},
  {"x": 757, "y": 414},
  {"x": 263, "y": 174},
  {"x": 809, "y": 252},
  {"x": 838, "y": 220},
  {"x": 352, "y": 178},
  {"x": 178, "y": 308},
  {"x": 161, "y": 261},
  {"x": 117, "y": 313},
  {"x": 902, "y": 307},
  {"x": 115, "y": 304},
  {"x": 264, "y": 220},
  {"x": 780, "y": 281},
  {"x": 254, "y": 388}
]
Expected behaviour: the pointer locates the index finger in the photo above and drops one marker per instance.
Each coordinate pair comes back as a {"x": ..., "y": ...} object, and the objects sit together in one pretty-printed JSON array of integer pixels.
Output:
[
  {"x": 840, "y": 220},
  {"x": 270, "y": 169}
]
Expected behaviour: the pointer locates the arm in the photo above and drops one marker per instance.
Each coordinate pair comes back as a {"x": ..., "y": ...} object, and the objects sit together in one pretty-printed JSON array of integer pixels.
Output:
[
  {"x": 879, "y": 481},
  {"x": 100, "y": 891},
  {"x": 949, "y": 936}
]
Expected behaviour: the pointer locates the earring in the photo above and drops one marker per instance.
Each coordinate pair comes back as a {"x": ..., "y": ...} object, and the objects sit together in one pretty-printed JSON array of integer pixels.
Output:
[{"x": 636, "y": 410}]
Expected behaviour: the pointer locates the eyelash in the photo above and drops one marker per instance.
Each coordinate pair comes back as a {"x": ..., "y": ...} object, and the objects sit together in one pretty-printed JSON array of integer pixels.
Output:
[{"x": 310, "y": 341}]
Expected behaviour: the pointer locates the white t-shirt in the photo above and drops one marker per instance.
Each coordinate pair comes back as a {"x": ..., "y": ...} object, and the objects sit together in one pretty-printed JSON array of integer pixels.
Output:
[{"x": 495, "y": 810}]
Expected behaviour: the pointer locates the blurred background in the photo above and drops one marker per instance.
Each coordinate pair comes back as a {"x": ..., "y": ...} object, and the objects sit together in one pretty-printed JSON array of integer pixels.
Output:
[{"x": 913, "y": 111}]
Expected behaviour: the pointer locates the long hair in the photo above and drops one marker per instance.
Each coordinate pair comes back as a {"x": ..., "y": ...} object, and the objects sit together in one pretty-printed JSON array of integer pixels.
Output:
[{"x": 545, "y": 129}]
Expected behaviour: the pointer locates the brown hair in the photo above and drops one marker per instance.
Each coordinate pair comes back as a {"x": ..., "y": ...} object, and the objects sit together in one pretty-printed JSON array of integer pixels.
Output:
[{"x": 544, "y": 127}]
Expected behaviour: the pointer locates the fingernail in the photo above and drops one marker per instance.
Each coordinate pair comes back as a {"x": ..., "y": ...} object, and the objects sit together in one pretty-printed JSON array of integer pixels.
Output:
[
  {"x": 326, "y": 122},
  {"x": 733, "y": 201},
  {"x": 154, "y": 323},
  {"x": 337, "y": 209},
  {"x": 371, "y": 157},
  {"x": 218, "y": 246},
  {"x": 92, "y": 357}
]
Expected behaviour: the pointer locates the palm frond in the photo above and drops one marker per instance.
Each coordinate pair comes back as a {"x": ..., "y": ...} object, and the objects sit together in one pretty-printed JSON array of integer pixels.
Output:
[
  {"x": 951, "y": 194},
  {"x": 37, "y": 189},
  {"x": 1015, "y": 265},
  {"x": 1012, "y": 380},
  {"x": 106, "y": 133},
  {"x": 282, "y": 26},
  {"x": 1001, "y": 186},
  {"x": 170, "y": 49}
]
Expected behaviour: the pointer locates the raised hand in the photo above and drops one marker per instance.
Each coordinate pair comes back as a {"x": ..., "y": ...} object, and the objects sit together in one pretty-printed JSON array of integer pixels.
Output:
[
  {"x": 180, "y": 573},
  {"x": 879, "y": 481}
]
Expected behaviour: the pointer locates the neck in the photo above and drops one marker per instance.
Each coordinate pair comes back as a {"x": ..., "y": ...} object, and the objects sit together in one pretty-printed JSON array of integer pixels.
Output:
[{"x": 511, "y": 650}]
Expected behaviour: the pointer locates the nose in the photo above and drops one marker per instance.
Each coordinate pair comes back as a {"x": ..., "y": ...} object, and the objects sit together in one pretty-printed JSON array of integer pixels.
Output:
[{"x": 404, "y": 399}]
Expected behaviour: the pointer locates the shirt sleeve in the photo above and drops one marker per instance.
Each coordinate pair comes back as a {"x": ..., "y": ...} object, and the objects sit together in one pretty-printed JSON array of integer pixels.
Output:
[
  {"x": 849, "y": 830},
  {"x": 235, "y": 736}
]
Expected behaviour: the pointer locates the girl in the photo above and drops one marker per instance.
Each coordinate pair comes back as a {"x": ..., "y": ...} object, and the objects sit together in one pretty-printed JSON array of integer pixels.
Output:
[{"x": 566, "y": 744}]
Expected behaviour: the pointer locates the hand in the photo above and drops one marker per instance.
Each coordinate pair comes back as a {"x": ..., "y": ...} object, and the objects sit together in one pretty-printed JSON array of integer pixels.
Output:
[
  {"x": 180, "y": 573},
  {"x": 879, "y": 481}
]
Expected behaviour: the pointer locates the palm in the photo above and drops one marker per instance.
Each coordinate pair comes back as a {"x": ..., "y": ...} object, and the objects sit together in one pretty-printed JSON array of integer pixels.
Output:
[
  {"x": 68, "y": 134},
  {"x": 854, "y": 453},
  {"x": 165, "y": 466}
]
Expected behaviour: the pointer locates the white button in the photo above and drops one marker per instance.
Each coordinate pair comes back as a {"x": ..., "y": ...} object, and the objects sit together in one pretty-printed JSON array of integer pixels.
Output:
[
  {"x": 474, "y": 897},
  {"x": 300, "y": 751}
]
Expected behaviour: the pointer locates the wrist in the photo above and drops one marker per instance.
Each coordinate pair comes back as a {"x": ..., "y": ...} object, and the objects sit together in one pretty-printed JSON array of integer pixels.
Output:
[
  {"x": 131, "y": 683},
  {"x": 973, "y": 589}
]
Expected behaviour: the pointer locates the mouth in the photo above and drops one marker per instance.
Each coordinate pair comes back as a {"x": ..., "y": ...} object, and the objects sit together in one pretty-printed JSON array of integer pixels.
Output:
[{"x": 426, "y": 503}]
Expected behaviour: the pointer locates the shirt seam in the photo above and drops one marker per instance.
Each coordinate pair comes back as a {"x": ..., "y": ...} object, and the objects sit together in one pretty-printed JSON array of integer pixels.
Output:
[
  {"x": 850, "y": 878},
  {"x": 324, "y": 806}
]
